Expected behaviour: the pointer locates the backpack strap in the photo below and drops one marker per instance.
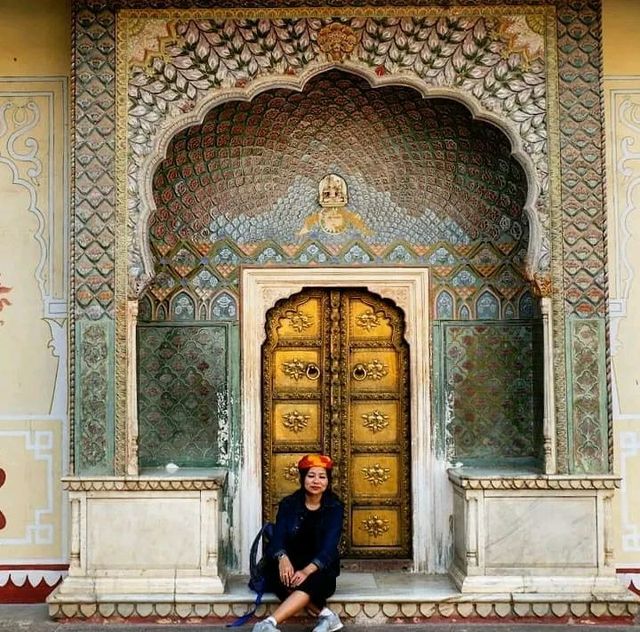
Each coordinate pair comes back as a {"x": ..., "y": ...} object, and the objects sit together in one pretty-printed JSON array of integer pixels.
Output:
[
  {"x": 247, "y": 615},
  {"x": 265, "y": 533}
]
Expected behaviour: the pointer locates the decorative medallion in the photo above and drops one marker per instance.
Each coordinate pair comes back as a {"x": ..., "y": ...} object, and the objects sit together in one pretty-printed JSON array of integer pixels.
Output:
[
  {"x": 376, "y": 474},
  {"x": 291, "y": 472},
  {"x": 375, "y": 421},
  {"x": 334, "y": 217},
  {"x": 374, "y": 370},
  {"x": 375, "y": 526},
  {"x": 297, "y": 369},
  {"x": 298, "y": 319},
  {"x": 295, "y": 421},
  {"x": 368, "y": 320},
  {"x": 337, "y": 41}
]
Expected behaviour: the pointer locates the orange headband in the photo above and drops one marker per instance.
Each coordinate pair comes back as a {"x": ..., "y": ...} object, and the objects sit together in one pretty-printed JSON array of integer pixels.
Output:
[{"x": 315, "y": 460}]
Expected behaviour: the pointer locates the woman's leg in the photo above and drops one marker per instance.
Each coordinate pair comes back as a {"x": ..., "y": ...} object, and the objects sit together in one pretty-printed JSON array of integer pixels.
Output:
[{"x": 295, "y": 602}]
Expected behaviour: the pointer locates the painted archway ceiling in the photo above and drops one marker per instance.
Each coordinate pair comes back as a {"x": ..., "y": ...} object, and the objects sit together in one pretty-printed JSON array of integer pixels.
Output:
[
  {"x": 427, "y": 185},
  {"x": 175, "y": 67},
  {"x": 419, "y": 170}
]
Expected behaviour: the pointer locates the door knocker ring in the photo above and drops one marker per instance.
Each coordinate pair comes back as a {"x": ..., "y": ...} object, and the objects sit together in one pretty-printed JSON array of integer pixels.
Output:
[
  {"x": 359, "y": 372},
  {"x": 313, "y": 371}
]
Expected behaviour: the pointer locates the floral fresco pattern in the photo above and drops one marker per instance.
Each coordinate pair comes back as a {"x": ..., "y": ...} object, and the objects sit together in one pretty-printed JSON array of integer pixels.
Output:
[{"x": 478, "y": 56}]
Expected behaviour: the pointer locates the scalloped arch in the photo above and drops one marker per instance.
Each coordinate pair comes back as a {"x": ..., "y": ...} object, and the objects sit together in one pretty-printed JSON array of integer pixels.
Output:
[{"x": 298, "y": 83}]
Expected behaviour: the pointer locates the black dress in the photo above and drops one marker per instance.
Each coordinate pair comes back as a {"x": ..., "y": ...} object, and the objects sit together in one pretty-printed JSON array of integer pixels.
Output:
[{"x": 301, "y": 550}]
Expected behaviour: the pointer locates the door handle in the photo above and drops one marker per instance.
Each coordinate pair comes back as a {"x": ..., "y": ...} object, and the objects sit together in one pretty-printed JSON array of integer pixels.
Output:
[
  {"x": 359, "y": 372},
  {"x": 313, "y": 371}
]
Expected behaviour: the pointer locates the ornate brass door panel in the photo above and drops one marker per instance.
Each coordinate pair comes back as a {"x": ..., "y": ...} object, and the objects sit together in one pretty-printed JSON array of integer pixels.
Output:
[{"x": 336, "y": 380}]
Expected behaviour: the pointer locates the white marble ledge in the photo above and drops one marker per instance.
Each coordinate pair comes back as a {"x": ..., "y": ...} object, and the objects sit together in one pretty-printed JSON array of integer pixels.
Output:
[
  {"x": 152, "y": 479},
  {"x": 525, "y": 478},
  {"x": 416, "y": 588}
]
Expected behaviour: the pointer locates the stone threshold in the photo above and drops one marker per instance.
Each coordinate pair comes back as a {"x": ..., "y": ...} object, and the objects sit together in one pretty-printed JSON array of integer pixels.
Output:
[{"x": 362, "y": 598}]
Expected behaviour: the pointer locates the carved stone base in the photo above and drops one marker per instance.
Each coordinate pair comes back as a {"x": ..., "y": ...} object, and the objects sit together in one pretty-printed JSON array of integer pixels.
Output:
[
  {"x": 434, "y": 603},
  {"x": 534, "y": 534},
  {"x": 157, "y": 537},
  {"x": 566, "y": 586}
]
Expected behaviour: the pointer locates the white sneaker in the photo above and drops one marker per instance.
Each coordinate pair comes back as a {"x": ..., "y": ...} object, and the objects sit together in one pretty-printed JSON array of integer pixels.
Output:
[
  {"x": 328, "y": 623},
  {"x": 265, "y": 626}
]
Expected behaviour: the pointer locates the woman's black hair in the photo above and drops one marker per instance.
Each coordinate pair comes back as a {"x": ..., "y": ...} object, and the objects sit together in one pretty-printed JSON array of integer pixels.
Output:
[{"x": 304, "y": 472}]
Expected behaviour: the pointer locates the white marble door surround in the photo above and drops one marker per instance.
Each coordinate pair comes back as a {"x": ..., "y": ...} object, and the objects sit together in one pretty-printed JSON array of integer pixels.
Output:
[{"x": 408, "y": 288}]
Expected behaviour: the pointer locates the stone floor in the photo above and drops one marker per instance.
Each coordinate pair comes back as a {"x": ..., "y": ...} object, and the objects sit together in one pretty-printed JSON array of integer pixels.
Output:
[{"x": 34, "y": 618}]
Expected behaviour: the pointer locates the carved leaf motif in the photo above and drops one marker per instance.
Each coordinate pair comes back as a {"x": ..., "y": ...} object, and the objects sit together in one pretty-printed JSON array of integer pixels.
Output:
[
  {"x": 299, "y": 320},
  {"x": 376, "y": 370},
  {"x": 368, "y": 320},
  {"x": 291, "y": 472},
  {"x": 376, "y": 474},
  {"x": 295, "y": 421},
  {"x": 296, "y": 369},
  {"x": 375, "y": 421},
  {"x": 375, "y": 526}
]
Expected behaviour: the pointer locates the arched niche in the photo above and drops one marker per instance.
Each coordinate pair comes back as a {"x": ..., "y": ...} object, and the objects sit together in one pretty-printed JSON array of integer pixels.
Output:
[
  {"x": 143, "y": 271},
  {"x": 468, "y": 255},
  {"x": 429, "y": 185}
]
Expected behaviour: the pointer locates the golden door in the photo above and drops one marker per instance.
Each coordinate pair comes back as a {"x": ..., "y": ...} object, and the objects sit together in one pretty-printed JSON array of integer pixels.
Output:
[{"x": 336, "y": 380}]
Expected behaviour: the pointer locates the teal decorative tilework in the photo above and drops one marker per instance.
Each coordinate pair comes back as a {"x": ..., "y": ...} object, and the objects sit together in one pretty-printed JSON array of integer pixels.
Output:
[
  {"x": 94, "y": 398},
  {"x": 242, "y": 188},
  {"x": 93, "y": 226},
  {"x": 490, "y": 378},
  {"x": 583, "y": 195},
  {"x": 587, "y": 396},
  {"x": 183, "y": 395}
]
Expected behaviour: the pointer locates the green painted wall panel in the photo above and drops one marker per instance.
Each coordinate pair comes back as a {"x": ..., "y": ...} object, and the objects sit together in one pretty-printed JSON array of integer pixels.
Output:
[
  {"x": 94, "y": 404},
  {"x": 488, "y": 389},
  {"x": 587, "y": 396}
]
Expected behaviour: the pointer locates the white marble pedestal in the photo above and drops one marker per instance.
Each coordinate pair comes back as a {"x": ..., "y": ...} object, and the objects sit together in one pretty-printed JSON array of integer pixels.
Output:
[
  {"x": 156, "y": 536},
  {"x": 533, "y": 533}
]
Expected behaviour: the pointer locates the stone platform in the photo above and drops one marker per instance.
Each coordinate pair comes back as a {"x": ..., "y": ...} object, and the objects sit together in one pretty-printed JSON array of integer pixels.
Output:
[{"x": 368, "y": 599}]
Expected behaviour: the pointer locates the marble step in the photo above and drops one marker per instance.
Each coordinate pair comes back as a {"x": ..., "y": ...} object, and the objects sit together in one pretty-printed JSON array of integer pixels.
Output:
[{"x": 364, "y": 598}]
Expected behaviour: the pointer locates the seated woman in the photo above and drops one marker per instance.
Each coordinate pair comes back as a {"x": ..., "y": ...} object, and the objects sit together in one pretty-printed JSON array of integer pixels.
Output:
[{"x": 303, "y": 553}]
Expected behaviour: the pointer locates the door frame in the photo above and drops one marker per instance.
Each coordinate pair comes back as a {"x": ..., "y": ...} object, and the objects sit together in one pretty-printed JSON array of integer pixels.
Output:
[
  {"x": 335, "y": 333},
  {"x": 408, "y": 288}
]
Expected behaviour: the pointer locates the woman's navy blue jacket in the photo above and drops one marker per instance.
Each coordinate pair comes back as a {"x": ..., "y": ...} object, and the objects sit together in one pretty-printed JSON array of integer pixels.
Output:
[{"x": 290, "y": 513}]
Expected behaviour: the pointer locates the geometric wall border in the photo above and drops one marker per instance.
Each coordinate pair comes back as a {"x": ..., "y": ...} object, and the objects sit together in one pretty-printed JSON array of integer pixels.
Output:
[
  {"x": 629, "y": 447},
  {"x": 45, "y": 103},
  {"x": 40, "y": 442}
]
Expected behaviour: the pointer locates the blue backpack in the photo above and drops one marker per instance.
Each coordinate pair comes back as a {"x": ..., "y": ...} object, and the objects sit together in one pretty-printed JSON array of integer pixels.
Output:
[
  {"x": 257, "y": 567},
  {"x": 257, "y": 570}
]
